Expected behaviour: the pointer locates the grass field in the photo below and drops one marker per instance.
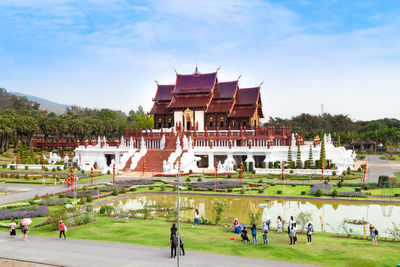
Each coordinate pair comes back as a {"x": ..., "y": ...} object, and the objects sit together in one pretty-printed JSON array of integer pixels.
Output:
[{"x": 325, "y": 250}]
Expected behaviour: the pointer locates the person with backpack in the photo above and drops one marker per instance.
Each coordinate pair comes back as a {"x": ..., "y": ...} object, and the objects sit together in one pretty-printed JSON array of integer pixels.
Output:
[
  {"x": 63, "y": 229},
  {"x": 173, "y": 240},
  {"x": 244, "y": 236},
  {"x": 293, "y": 234},
  {"x": 309, "y": 230},
  {"x": 265, "y": 230},
  {"x": 373, "y": 233},
  {"x": 254, "y": 233}
]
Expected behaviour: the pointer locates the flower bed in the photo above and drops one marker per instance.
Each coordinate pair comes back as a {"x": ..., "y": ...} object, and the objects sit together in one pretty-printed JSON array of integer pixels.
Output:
[
  {"x": 129, "y": 183},
  {"x": 27, "y": 212},
  {"x": 352, "y": 194},
  {"x": 323, "y": 187},
  {"x": 253, "y": 185},
  {"x": 14, "y": 205},
  {"x": 82, "y": 193},
  {"x": 55, "y": 201},
  {"x": 217, "y": 185}
]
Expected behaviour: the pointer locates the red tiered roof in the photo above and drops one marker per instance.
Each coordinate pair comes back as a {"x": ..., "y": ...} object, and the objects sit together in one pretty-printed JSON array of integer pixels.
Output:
[
  {"x": 195, "y": 83},
  {"x": 248, "y": 96},
  {"x": 164, "y": 92},
  {"x": 220, "y": 106},
  {"x": 160, "y": 108},
  {"x": 184, "y": 101},
  {"x": 225, "y": 90},
  {"x": 243, "y": 111}
]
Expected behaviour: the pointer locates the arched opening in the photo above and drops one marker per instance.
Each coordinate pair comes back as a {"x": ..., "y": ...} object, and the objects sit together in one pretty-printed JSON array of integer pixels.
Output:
[
  {"x": 221, "y": 124},
  {"x": 211, "y": 124}
]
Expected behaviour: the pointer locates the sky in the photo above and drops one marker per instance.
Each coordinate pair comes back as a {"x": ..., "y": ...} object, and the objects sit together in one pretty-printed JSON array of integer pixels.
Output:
[{"x": 344, "y": 55}]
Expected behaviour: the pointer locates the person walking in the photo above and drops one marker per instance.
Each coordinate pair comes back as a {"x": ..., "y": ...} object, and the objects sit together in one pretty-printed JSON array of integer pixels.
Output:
[
  {"x": 63, "y": 228},
  {"x": 309, "y": 229},
  {"x": 173, "y": 240},
  {"x": 268, "y": 221},
  {"x": 25, "y": 230},
  {"x": 265, "y": 230},
  {"x": 254, "y": 233},
  {"x": 279, "y": 225},
  {"x": 12, "y": 229},
  {"x": 182, "y": 252},
  {"x": 196, "y": 218},
  {"x": 373, "y": 232},
  {"x": 293, "y": 234}
]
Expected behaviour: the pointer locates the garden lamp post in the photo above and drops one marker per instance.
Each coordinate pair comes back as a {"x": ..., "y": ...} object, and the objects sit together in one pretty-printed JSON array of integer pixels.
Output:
[{"x": 178, "y": 206}]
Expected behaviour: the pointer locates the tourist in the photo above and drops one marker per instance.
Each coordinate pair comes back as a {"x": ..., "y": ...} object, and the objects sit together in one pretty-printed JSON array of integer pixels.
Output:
[
  {"x": 254, "y": 233},
  {"x": 237, "y": 227},
  {"x": 196, "y": 218},
  {"x": 244, "y": 236},
  {"x": 293, "y": 233},
  {"x": 182, "y": 252},
  {"x": 25, "y": 230},
  {"x": 279, "y": 225},
  {"x": 373, "y": 233},
  {"x": 43, "y": 182},
  {"x": 309, "y": 229},
  {"x": 265, "y": 230},
  {"x": 291, "y": 221},
  {"x": 63, "y": 228},
  {"x": 12, "y": 228},
  {"x": 268, "y": 221},
  {"x": 173, "y": 240}
]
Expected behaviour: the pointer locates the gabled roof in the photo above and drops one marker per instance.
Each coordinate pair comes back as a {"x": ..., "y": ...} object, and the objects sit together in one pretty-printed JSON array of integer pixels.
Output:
[
  {"x": 190, "y": 100},
  {"x": 243, "y": 111},
  {"x": 195, "y": 83},
  {"x": 225, "y": 90},
  {"x": 164, "y": 92},
  {"x": 220, "y": 106},
  {"x": 248, "y": 96},
  {"x": 160, "y": 108}
]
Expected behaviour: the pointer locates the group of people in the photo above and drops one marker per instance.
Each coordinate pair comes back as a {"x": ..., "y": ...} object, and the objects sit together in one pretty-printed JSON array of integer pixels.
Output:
[
  {"x": 25, "y": 229},
  {"x": 174, "y": 241}
]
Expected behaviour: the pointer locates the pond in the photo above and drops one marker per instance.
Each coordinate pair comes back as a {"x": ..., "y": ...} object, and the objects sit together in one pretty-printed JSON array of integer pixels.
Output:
[{"x": 328, "y": 216}]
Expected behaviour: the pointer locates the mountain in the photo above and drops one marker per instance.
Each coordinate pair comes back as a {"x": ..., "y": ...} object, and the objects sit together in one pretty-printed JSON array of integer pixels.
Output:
[{"x": 45, "y": 104}]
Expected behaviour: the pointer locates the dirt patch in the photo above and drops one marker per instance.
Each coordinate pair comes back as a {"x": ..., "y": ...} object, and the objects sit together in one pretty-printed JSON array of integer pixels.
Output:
[{"x": 17, "y": 263}]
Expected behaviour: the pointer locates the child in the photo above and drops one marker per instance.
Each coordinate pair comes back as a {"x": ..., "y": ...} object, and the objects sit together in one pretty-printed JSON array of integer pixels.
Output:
[
  {"x": 244, "y": 236},
  {"x": 12, "y": 228},
  {"x": 254, "y": 234}
]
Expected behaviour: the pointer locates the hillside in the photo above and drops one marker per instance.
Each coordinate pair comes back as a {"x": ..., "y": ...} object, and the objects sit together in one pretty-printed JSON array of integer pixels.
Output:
[
  {"x": 45, "y": 104},
  {"x": 8, "y": 100}
]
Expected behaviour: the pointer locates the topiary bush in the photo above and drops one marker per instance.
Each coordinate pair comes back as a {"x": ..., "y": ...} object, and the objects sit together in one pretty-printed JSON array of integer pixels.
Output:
[
  {"x": 115, "y": 192},
  {"x": 89, "y": 198},
  {"x": 133, "y": 189},
  {"x": 26, "y": 167},
  {"x": 188, "y": 180},
  {"x": 242, "y": 191},
  {"x": 229, "y": 190},
  {"x": 303, "y": 192},
  {"x": 82, "y": 201},
  {"x": 318, "y": 193},
  {"x": 162, "y": 188},
  {"x": 199, "y": 180},
  {"x": 261, "y": 190},
  {"x": 335, "y": 193},
  {"x": 333, "y": 173},
  {"x": 279, "y": 192}
]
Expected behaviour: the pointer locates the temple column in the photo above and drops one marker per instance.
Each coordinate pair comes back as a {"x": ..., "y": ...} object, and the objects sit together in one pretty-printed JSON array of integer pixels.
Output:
[{"x": 211, "y": 161}]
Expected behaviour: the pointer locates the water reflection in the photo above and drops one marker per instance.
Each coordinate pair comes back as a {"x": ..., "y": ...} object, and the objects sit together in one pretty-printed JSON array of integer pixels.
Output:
[{"x": 326, "y": 216}]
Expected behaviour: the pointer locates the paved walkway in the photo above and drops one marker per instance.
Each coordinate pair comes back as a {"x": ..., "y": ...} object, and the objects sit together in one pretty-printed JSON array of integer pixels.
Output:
[
  {"x": 74, "y": 252},
  {"x": 378, "y": 167}
]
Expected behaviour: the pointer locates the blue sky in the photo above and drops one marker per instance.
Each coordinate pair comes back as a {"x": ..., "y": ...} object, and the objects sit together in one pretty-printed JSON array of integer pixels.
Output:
[{"x": 98, "y": 53}]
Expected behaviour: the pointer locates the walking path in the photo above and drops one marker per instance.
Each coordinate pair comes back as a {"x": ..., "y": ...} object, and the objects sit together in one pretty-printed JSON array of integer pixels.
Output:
[
  {"x": 73, "y": 252},
  {"x": 378, "y": 167}
]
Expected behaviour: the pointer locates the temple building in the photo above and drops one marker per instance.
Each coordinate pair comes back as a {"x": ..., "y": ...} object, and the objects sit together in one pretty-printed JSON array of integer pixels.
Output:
[{"x": 202, "y": 102}]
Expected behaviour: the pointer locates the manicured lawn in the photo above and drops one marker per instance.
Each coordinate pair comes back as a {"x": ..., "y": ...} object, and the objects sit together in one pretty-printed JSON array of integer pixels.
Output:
[{"x": 326, "y": 251}]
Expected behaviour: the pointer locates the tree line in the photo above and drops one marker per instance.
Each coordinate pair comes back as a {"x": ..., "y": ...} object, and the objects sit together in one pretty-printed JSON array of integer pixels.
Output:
[{"x": 344, "y": 130}]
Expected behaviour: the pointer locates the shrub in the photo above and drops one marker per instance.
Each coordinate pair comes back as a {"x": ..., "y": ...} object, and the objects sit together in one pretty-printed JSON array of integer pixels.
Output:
[
  {"x": 253, "y": 171},
  {"x": 82, "y": 201},
  {"x": 220, "y": 206},
  {"x": 348, "y": 171},
  {"x": 108, "y": 172},
  {"x": 242, "y": 191},
  {"x": 55, "y": 201},
  {"x": 229, "y": 189},
  {"x": 318, "y": 193},
  {"x": 263, "y": 165},
  {"x": 133, "y": 189},
  {"x": 261, "y": 190},
  {"x": 46, "y": 169},
  {"x": 255, "y": 217},
  {"x": 124, "y": 190},
  {"x": 279, "y": 192},
  {"x": 245, "y": 166},
  {"x": 260, "y": 181},
  {"x": 12, "y": 167},
  {"x": 335, "y": 193},
  {"x": 199, "y": 180},
  {"x": 303, "y": 192},
  {"x": 340, "y": 184},
  {"x": 383, "y": 180},
  {"x": 102, "y": 209},
  {"x": 303, "y": 218},
  {"x": 4, "y": 166},
  {"x": 359, "y": 169},
  {"x": 357, "y": 189},
  {"x": 55, "y": 216},
  {"x": 62, "y": 195},
  {"x": 89, "y": 198},
  {"x": 190, "y": 171},
  {"x": 82, "y": 171},
  {"x": 162, "y": 187},
  {"x": 175, "y": 188},
  {"x": 210, "y": 189},
  {"x": 53, "y": 170},
  {"x": 26, "y": 176},
  {"x": 229, "y": 176},
  {"x": 291, "y": 172},
  {"x": 115, "y": 192},
  {"x": 333, "y": 173},
  {"x": 26, "y": 167},
  {"x": 188, "y": 180},
  {"x": 84, "y": 188},
  {"x": 58, "y": 168},
  {"x": 293, "y": 185},
  {"x": 17, "y": 175}
]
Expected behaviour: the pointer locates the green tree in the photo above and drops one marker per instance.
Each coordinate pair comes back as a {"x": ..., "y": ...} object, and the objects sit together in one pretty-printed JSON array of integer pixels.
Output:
[
  {"x": 322, "y": 156},
  {"x": 299, "y": 163}
]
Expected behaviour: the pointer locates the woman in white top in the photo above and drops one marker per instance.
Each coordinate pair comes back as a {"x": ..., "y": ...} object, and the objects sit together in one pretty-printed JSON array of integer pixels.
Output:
[
  {"x": 279, "y": 225},
  {"x": 12, "y": 228},
  {"x": 196, "y": 218}
]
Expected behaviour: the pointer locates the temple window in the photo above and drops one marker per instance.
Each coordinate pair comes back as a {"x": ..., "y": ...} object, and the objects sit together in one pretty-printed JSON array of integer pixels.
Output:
[{"x": 221, "y": 124}]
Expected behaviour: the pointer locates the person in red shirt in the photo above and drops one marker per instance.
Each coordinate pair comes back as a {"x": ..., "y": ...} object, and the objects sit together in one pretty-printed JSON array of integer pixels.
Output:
[{"x": 62, "y": 230}]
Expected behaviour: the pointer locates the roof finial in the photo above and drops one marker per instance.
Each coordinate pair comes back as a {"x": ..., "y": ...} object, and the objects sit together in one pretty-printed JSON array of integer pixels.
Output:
[
  {"x": 218, "y": 68},
  {"x": 261, "y": 84},
  {"x": 176, "y": 71},
  {"x": 196, "y": 70},
  {"x": 156, "y": 82},
  {"x": 240, "y": 76}
]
